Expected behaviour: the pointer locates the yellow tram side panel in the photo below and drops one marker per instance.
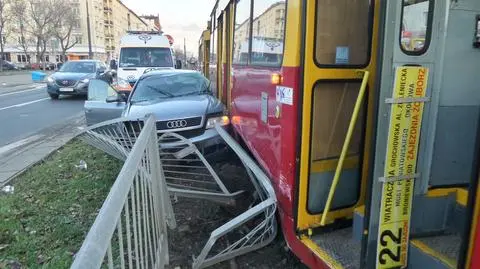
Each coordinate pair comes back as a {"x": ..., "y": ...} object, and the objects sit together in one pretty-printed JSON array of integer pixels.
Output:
[
  {"x": 206, "y": 52},
  {"x": 219, "y": 47},
  {"x": 305, "y": 220},
  {"x": 231, "y": 30}
]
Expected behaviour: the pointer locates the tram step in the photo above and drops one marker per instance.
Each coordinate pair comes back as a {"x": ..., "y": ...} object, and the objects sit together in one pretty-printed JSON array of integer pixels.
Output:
[
  {"x": 435, "y": 252},
  {"x": 339, "y": 246},
  {"x": 440, "y": 211}
]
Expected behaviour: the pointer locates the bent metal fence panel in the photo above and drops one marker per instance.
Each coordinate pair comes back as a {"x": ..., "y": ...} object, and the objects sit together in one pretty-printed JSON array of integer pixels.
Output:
[
  {"x": 131, "y": 227},
  {"x": 249, "y": 231},
  {"x": 187, "y": 172}
]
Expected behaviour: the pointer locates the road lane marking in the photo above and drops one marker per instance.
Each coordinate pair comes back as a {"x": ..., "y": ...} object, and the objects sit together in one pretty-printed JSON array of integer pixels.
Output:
[
  {"x": 19, "y": 143},
  {"x": 24, "y": 104},
  {"x": 29, "y": 90}
]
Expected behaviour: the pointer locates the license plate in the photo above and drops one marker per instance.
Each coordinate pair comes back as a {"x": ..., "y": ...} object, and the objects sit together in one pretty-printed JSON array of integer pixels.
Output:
[{"x": 66, "y": 89}]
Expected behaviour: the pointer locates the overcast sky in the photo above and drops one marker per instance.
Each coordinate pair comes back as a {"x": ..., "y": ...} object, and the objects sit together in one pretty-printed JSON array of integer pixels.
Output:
[{"x": 179, "y": 18}]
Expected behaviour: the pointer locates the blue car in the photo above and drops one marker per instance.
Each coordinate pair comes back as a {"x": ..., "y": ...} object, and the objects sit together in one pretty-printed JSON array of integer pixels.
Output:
[{"x": 74, "y": 77}]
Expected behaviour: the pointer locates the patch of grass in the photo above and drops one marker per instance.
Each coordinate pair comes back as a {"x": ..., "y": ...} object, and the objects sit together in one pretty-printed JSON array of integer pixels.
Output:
[{"x": 44, "y": 222}]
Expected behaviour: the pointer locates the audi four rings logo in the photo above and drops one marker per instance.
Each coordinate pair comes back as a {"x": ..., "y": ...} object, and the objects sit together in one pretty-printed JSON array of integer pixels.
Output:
[
  {"x": 131, "y": 78},
  {"x": 176, "y": 124}
]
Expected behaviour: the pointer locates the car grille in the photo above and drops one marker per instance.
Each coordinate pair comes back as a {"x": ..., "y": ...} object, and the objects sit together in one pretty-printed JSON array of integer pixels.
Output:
[
  {"x": 65, "y": 82},
  {"x": 171, "y": 125},
  {"x": 134, "y": 127},
  {"x": 132, "y": 83},
  {"x": 192, "y": 133}
]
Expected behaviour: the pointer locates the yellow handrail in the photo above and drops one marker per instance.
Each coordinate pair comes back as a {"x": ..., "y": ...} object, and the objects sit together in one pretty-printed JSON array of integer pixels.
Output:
[{"x": 346, "y": 144}]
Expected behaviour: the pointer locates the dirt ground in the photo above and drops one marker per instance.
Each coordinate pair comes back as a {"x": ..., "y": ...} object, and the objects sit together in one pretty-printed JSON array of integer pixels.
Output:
[{"x": 197, "y": 219}]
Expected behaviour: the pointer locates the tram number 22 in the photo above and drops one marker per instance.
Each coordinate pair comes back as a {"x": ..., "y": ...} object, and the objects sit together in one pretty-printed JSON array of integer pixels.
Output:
[{"x": 386, "y": 253}]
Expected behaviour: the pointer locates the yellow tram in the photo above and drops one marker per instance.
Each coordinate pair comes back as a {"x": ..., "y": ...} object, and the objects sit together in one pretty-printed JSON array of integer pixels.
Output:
[{"x": 364, "y": 114}]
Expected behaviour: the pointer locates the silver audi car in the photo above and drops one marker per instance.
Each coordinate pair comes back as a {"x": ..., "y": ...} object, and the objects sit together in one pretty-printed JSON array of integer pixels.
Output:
[{"x": 181, "y": 101}]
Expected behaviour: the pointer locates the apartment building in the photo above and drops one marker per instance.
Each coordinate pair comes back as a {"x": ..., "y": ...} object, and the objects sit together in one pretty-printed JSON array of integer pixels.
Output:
[
  {"x": 109, "y": 20},
  {"x": 267, "y": 31},
  {"x": 153, "y": 22}
]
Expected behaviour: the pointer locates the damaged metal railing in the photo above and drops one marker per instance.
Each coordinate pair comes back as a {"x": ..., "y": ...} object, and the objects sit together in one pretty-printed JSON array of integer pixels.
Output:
[
  {"x": 131, "y": 227},
  {"x": 259, "y": 220},
  {"x": 189, "y": 174}
]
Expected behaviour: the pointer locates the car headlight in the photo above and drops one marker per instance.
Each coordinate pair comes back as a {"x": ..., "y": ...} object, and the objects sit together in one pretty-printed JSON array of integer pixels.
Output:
[
  {"x": 86, "y": 80},
  {"x": 223, "y": 120},
  {"x": 50, "y": 79}
]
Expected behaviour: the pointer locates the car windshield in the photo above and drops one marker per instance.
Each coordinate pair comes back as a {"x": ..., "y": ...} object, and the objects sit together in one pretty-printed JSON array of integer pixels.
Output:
[
  {"x": 146, "y": 57},
  {"x": 169, "y": 86},
  {"x": 78, "y": 67}
]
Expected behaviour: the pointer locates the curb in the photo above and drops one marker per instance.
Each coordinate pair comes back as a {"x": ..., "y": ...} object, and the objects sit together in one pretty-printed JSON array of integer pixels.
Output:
[
  {"x": 49, "y": 146},
  {"x": 23, "y": 170}
]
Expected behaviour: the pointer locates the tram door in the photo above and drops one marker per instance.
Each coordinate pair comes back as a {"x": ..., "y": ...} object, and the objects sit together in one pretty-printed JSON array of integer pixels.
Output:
[
  {"x": 224, "y": 39},
  {"x": 220, "y": 59},
  {"x": 426, "y": 144},
  {"x": 213, "y": 66},
  {"x": 338, "y": 51}
]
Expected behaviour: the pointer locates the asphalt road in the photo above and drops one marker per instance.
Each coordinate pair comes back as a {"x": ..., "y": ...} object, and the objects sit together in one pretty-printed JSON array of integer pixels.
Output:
[{"x": 26, "y": 110}]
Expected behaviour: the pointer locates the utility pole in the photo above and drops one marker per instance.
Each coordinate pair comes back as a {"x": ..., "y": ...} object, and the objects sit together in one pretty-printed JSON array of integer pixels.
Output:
[
  {"x": 90, "y": 53},
  {"x": 185, "y": 50}
]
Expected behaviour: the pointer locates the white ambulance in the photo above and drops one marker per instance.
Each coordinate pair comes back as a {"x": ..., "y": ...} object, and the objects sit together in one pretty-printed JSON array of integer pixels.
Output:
[{"x": 141, "y": 50}]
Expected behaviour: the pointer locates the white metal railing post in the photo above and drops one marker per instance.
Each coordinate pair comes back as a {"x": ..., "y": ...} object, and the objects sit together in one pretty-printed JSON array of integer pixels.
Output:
[{"x": 139, "y": 196}]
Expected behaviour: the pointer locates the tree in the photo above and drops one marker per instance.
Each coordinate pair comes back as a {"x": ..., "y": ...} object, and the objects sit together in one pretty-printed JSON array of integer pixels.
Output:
[
  {"x": 66, "y": 21},
  {"x": 19, "y": 22},
  {"x": 41, "y": 23},
  {"x": 4, "y": 20}
]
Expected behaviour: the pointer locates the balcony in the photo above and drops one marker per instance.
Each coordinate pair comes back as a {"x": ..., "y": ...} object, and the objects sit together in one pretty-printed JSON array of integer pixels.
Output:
[
  {"x": 107, "y": 10},
  {"x": 108, "y": 23},
  {"x": 109, "y": 48}
]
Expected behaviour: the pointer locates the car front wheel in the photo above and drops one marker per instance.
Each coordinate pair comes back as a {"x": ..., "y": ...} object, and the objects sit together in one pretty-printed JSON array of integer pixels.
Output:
[{"x": 53, "y": 96}]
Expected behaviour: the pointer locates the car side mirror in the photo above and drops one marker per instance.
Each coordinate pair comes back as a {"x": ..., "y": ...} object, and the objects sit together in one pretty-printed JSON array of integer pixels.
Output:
[
  {"x": 100, "y": 71},
  {"x": 178, "y": 64},
  {"x": 113, "y": 65}
]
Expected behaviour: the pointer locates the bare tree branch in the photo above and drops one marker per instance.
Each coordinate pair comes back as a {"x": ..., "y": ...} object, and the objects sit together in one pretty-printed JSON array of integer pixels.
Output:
[
  {"x": 5, "y": 17},
  {"x": 19, "y": 23},
  {"x": 64, "y": 25},
  {"x": 41, "y": 23}
]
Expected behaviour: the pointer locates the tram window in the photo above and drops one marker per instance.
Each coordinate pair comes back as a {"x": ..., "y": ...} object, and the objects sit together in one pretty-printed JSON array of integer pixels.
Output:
[
  {"x": 343, "y": 32},
  {"x": 415, "y": 22},
  {"x": 268, "y": 30},
  {"x": 241, "y": 37},
  {"x": 333, "y": 107}
]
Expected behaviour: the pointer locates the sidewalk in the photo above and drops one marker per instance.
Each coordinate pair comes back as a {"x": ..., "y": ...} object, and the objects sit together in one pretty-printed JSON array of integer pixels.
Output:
[
  {"x": 19, "y": 78},
  {"x": 14, "y": 72},
  {"x": 25, "y": 153}
]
